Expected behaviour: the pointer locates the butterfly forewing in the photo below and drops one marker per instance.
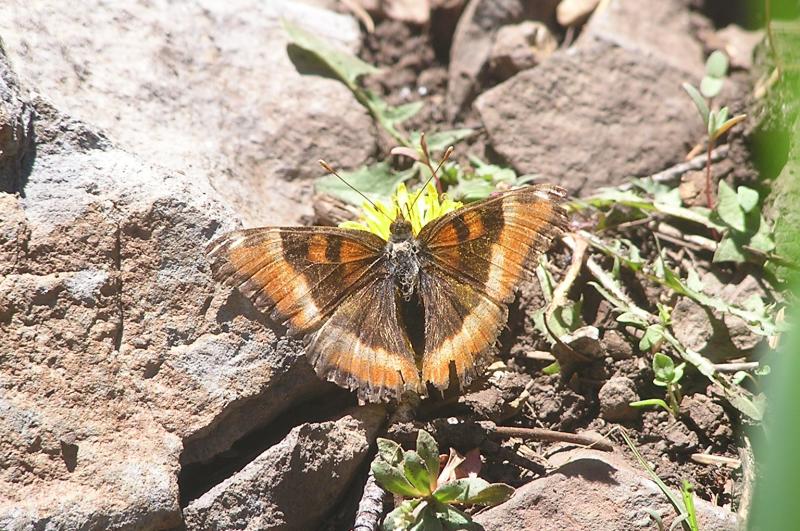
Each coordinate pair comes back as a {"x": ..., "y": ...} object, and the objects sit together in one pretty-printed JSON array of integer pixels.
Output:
[{"x": 299, "y": 274}]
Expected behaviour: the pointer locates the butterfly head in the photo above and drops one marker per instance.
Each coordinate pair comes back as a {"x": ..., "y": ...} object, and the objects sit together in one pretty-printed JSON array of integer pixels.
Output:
[{"x": 400, "y": 229}]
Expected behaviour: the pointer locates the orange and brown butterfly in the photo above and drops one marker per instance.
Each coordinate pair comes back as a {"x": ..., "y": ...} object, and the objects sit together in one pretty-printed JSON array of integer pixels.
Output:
[{"x": 346, "y": 289}]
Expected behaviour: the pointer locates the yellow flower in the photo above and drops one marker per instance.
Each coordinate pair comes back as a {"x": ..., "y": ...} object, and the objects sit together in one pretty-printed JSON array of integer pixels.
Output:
[{"x": 426, "y": 209}]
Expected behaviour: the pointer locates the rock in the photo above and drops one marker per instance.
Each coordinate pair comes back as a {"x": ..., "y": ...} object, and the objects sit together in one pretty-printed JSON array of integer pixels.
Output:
[
  {"x": 472, "y": 43},
  {"x": 559, "y": 410},
  {"x": 239, "y": 111},
  {"x": 708, "y": 417},
  {"x": 698, "y": 329},
  {"x": 16, "y": 119},
  {"x": 575, "y": 12},
  {"x": 616, "y": 345},
  {"x": 120, "y": 358},
  {"x": 519, "y": 47},
  {"x": 294, "y": 484},
  {"x": 412, "y": 11},
  {"x": 719, "y": 337},
  {"x": 663, "y": 34},
  {"x": 692, "y": 188},
  {"x": 591, "y": 117},
  {"x": 594, "y": 490},
  {"x": 615, "y": 396},
  {"x": 680, "y": 438}
]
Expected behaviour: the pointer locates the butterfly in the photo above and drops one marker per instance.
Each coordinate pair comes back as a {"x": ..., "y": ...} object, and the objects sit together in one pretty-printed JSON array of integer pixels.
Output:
[{"x": 346, "y": 290}]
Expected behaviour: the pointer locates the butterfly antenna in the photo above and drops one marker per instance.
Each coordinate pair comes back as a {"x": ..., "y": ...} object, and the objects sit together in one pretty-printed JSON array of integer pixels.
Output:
[
  {"x": 433, "y": 173},
  {"x": 330, "y": 170}
]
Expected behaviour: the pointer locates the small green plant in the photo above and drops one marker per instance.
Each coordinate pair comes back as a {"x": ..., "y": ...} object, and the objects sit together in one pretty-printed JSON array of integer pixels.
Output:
[
  {"x": 717, "y": 121},
  {"x": 431, "y": 494},
  {"x": 746, "y": 230},
  {"x": 668, "y": 375}
]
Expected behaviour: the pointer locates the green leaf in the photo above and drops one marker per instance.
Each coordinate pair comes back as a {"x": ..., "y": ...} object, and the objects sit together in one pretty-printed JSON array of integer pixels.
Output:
[
  {"x": 389, "y": 451},
  {"x": 651, "y": 402},
  {"x": 663, "y": 369},
  {"x": 711, "y": 86},
  {"x": 402, "y": 517},
  {"x": 346, "y": 66},
  {"x": 494, "y": 494},
  {"x": 394, "y": 480},
  {"x": 712, "y": 123},
  {"x": 652, "y": 338},
  {"x": 699, "y": 101},
  {"x": 416, "y": 472},
  {"x": 402, "y": 113},
  {"x": 427, "y": 521},
  {"x": 460, "y": 489},
  {"x": 722, "y": 115},
  {"x": 428, "y": 450},
  {"x": 452, "y": 518},
  {"x": 376, "y": 182},
  {"x": 632, "y": 318},
  {"x": 748, "y": 198},
  {"x": 687, "y": 492},
  {"x": 728, "y": 208},
  {"x": 679, "y": 368},
  {"x": 553, "y": 368},
  {"x": 717, "y": 64},
  {"x": 751, "y": 408},
  {"x": 728, "y": 250}
]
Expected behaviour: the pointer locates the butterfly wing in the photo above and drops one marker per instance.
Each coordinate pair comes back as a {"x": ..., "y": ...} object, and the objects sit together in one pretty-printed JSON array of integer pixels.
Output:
[
  {"x": 461, "y": 326},
  {"x": 332, "y": 282},
  {"x": 297, "y": 275},
  {"x": 474, "y": 257},
  {"x": 362, "y": 346}
]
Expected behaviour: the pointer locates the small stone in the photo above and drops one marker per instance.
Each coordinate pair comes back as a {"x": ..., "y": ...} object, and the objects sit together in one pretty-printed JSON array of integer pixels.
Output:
[
  {"x": 616, "y": 345},
  {"x": 692, "y": 188},
  {"x": 681, "y": 438},
  {"x": 615, "y": 397},
  {"x": 575, "y": 12},
  {"x": 708, "y": 416},
  {"x": 519, "y": 47}
]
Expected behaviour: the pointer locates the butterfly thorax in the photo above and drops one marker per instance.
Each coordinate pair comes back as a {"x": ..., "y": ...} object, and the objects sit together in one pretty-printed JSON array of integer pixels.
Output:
[{"x": 402, "y": 251}]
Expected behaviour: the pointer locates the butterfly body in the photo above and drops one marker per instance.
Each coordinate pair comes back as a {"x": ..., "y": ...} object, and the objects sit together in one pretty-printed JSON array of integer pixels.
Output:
[
  {"x": 345, "y": 290},
  {"x": 403, "y": 257}
]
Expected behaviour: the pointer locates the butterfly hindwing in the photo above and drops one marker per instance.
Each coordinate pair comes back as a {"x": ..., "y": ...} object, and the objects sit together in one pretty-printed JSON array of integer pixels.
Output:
[
  {"x": 363, "y": 345},
  {"x": 461, "y": 327},
  {"x": 298, "y": 274}
]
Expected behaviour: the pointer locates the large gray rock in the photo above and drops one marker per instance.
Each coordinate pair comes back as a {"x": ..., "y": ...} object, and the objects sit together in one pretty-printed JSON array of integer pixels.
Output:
[
  {"x": 120, "y": 357},
  {"x": 294, "y": 484},
  {"x": 662, "y": 31},
  {"x": 594, "y": 490},
  {"x": 591, "y": 116},
  {"x": 203, "y": 87}
]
